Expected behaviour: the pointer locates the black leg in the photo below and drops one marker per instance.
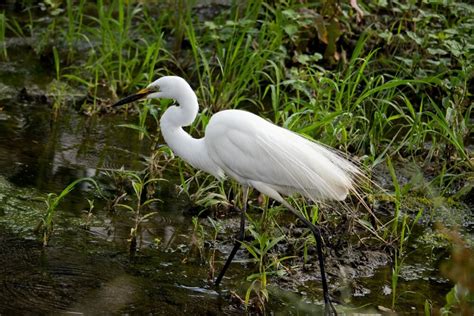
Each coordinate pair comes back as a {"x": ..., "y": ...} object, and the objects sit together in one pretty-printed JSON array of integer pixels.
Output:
[
  {"x": 240, "y": 237},
  {"x": 328, "y": 307}
]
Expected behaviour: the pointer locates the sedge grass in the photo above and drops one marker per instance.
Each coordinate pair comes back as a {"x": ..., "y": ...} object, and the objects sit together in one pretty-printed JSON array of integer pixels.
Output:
[
  {"x": 3, "y": 44},
  {"x": 220, "y": 55}
]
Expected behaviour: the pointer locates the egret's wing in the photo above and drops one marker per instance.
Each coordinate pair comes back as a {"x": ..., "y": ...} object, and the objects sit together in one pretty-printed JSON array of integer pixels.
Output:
[{"x": 248, "y": 147}]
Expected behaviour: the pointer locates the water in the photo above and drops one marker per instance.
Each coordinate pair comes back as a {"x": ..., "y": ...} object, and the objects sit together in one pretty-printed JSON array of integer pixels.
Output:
[{"x": 74, "y": 278}]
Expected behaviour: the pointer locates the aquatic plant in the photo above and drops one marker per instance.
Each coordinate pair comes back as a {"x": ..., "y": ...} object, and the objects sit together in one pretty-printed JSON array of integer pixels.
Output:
[
  {"x": 143, "y": 114},
  {"x": 45, "y": 226},
  {"x": 138, "y": 183},
  {"x": 88, "y": 214},
  {"x": 198, "y": 236},
  {"x": 3, "y": 44},
  {"x": 260, "y": 248},
  {"x": 206, "y": 192},
  {"x": 460, "y": 299},
  {"x": 216, "y": 230}
]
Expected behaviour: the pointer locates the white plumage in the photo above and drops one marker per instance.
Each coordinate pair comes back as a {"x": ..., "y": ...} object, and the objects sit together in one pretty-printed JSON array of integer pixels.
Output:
[{"x": 267, "y": 157}]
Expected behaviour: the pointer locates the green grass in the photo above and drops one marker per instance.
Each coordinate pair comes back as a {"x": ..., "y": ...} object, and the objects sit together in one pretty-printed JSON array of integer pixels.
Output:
[
  {"x": 3, "y": 45},
  {"x": 139, "y": 184},
  {"x": 221, "y": 52},
  {"x": 45, "y": 227}
]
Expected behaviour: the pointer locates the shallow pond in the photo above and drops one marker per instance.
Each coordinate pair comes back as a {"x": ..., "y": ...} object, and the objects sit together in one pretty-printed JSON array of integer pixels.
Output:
[{"x": 87, "y": 269}]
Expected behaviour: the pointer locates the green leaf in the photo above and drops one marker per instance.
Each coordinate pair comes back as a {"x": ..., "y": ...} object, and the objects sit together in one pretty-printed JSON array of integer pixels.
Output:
[
  {"x": 251, "y": 250},
  {"x": 415, "y": 37},
  {"x": 273, "y": 242},
  {"x": 290, "y": 30},
  {"x": 454, "y": 47},
  {"x": 148, "y": 216},
  {"x": 151, "y": 201},
  {"x": 137, "y": 187},
  {"x": 436, "y": 51},
  {"x": 126, "y": 207},
  {"x": 427, "y": 308}
]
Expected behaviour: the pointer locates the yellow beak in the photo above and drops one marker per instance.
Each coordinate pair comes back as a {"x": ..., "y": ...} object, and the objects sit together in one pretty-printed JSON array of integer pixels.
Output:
[{"x": 134, "y": 97}]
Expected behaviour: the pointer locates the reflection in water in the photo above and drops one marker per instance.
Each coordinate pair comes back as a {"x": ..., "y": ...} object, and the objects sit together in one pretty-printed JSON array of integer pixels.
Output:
[
  {"x": 74, "y": 280},
  {"x": 36, "y": 279},
  {"x": 82, "y": 271},
  {"x": 89, "y": 271},
  {"x": 168, "y": 235},
  {"x": 51, "y": 154}
]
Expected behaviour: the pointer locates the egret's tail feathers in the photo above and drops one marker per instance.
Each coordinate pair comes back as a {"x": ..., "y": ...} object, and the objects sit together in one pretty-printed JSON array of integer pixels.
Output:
[{"x": 316, "y": 171}]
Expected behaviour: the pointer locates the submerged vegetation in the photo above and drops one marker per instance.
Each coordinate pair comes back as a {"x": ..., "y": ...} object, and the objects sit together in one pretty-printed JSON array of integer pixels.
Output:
[{"x": 389, "y": 83}]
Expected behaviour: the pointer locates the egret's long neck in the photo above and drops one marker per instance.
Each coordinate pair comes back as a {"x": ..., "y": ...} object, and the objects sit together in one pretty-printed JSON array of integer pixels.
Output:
[
  {"x": 186, "y": 113},
  {"x": 184, "y": 145}
]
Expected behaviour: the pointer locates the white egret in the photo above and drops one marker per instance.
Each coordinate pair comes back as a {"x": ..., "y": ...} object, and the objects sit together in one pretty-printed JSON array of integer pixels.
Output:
[{"x": 254, "y": 152}]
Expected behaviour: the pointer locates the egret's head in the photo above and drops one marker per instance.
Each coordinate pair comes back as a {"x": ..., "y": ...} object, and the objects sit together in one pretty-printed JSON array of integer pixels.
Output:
[{"x": 169, "y": 87}]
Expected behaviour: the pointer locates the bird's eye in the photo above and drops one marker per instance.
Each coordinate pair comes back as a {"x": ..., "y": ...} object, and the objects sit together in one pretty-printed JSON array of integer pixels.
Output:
[{"x": 155, "y": 88}]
